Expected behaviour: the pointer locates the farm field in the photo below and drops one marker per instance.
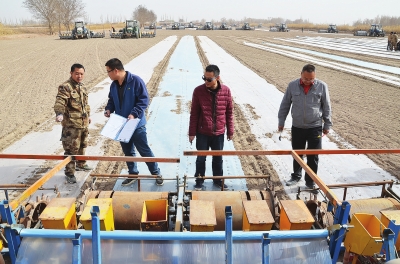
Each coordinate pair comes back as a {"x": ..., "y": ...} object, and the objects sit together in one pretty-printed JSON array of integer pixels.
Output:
[{"x": 365, "y": 109}]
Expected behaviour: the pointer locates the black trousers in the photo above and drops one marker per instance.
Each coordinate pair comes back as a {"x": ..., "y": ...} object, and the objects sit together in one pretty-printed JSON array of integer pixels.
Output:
[
  {"x": 312, "y": 137},
  {"x": 204, "y": 142}
]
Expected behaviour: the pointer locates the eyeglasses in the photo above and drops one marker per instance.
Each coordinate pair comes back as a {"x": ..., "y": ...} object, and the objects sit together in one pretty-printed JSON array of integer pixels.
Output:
[
  {"x": 208, "y": 79},
  {"x": 109, "y": 71}
]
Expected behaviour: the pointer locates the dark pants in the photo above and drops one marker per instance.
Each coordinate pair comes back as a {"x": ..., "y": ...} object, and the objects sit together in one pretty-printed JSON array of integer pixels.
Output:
[
  {"x": 204, "y": 142},
  {"x": 139, "y": 140},
  {"x": 313, "y": 138}
]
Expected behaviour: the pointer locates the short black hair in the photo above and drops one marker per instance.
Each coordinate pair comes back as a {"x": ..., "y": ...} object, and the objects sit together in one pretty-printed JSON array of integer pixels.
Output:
[
  {"x": 77, "y": 66},
  {"x": 213, "y": 68},
  {"x": 308, "y": 68},
  {"x": 115, "y": 64}
]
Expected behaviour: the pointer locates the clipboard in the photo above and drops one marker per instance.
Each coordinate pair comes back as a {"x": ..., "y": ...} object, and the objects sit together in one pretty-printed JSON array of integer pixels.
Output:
[{"x": 120, "y": 128}]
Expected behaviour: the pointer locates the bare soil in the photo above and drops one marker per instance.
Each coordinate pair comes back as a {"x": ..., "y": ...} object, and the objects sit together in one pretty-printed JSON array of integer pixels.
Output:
[{"x": 365, "y": 112}]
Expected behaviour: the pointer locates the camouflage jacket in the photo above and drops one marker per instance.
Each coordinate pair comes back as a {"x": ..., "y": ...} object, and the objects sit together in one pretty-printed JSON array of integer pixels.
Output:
[{"x": 72, "y": 102}]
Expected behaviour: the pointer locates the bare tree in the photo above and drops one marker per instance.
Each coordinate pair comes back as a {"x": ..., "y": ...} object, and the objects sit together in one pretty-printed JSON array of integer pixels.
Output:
[
  {"x": 143, "y": 15},
  {"x": 45, "y": 10},
  {"x": 69, "y": 10}
]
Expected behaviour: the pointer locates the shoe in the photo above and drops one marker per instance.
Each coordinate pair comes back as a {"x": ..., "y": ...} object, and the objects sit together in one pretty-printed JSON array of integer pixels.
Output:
[
  {"x": 83, "y": 168},
  {"x": 311, "y": 187},
  {"x": 127, "y": 182},
  {"x": 198, "y": 186},
  {"x": 159, "y": 180},
  {"x": 219, "y": 184},
  {"x": 71, "y": 179},
  {"x": 292, "y": 181}
]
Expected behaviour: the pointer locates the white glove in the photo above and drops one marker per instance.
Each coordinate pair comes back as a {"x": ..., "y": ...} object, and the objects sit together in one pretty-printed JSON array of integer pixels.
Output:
[{"x": 59, "y": 118}]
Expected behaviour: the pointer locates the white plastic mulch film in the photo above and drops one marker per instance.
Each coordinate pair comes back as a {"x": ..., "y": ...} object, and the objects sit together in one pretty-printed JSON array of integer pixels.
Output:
[{"x": 290, "y": 251}]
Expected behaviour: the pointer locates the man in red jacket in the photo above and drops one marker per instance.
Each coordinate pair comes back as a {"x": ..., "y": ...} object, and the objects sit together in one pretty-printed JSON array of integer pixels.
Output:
[{"x": 211, "y": 113}]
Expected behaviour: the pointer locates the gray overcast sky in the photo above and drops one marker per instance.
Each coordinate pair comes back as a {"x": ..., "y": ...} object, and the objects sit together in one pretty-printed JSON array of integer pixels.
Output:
[{"x": 316, "y": 11}]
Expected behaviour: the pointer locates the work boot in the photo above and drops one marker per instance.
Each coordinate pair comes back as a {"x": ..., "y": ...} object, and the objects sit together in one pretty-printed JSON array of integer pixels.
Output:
[
  {"x": 159, "y": 180},
  {"x": 292, "y": 181},
  {"x": 70, "y": 179},
  {"x": 83, "y": 168},
  {"x": 311, "y": 186},
  {"x": 198, "y": 186},
  {"x": 219, "y": 184}
]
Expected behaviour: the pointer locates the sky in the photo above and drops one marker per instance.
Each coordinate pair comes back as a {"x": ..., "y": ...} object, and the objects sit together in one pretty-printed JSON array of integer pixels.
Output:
[{"x": 315, "y": 11}]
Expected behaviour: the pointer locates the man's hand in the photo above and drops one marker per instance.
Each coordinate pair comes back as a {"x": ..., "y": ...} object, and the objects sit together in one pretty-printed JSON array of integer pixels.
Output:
[
  {"x": 107, "y": 113},
  {"x": 59, "y": 118},
  {"x": 280, "y": 128},
  {"x": 131, "y": 116},
  {"x": 229, "y": 137},
  {"x": 325, "y": 131},
  {"x": 191, "y": 138}
]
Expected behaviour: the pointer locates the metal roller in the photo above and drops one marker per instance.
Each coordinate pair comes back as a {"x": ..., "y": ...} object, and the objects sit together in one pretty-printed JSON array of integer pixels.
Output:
[
  {"x": 373, "y": 206},
  {"x": 128, "y": 207}
]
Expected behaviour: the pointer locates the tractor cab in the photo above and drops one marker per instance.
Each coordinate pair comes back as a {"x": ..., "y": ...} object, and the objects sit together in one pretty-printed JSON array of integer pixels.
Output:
[
  {"x": 332, "y": 29},
  {"x": 376, "y": 30}
]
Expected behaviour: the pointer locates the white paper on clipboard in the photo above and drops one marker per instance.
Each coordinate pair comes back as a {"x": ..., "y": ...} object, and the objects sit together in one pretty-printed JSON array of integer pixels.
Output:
[
  {"x": 127, "y": 131},
  {"x": 119, "y": 128}
]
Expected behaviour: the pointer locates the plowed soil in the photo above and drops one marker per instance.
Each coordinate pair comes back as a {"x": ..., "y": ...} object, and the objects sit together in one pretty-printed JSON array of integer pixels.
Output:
[{"x": 365, "y": 112}]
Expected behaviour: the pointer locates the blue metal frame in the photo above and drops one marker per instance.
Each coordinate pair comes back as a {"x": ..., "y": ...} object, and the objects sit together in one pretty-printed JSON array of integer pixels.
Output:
[
  {"x": 228, "y": 235},
  {"x": 14, "y": 233},
  {"x": 13, "y": 239},
  {"x": 96, "y": 243},
  {"x": 77, "y": 249},
  {"x": 336, "y": 238},
  {"x": 265, "y": 248}
]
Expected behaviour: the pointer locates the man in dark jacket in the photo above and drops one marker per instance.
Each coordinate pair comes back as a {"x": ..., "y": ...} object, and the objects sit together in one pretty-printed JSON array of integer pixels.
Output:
[
  {"x": 311, "y": 118},
  {"x": 211, "y": 113},
  {"x": 128, "y": 97}
]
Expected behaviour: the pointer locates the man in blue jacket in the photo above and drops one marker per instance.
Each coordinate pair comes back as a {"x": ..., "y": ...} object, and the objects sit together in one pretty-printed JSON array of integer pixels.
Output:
[
  {"x": 311, "y": 118},
  {"x": 128, "y": 97}
]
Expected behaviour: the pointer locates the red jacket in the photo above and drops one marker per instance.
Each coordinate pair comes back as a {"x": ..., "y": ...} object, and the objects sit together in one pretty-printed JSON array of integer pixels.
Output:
[{"x": 209, "y": 116}]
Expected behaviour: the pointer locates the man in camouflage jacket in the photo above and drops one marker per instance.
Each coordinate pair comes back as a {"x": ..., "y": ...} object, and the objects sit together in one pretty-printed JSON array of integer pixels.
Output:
[{"x": 73, "y": 111}]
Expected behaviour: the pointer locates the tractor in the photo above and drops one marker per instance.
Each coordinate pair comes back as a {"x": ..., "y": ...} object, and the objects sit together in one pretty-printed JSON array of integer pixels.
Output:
[
  {"x": 131, "y": 30},
  {"x": 282, "y": 27},
  {"x": 246, "y": 26},
  {"x": 208, "y": 26},
  {"x": 224, "y": 26},
  {"x": 176, "y": 26},
  {"x": 191, "y": 25},
  {"x": 78, "y": 32},
  {"x": 332, "y": 29},
  {"x": 376, "y": 30}
]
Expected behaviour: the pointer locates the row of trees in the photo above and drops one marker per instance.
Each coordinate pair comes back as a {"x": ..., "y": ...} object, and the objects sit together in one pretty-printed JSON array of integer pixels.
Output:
[
  {"x": 63, "y": 12},
  {"x": 143, "y": 15},
  {"x": 383, "y": 20},
  {"x": 55, "y": 12}
]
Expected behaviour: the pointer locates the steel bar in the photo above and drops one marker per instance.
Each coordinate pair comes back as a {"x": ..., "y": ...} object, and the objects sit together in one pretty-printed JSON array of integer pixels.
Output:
[
  {"x": 14, "y": 185},
  {"x": 129, "y": 176},
  {"x": 77, "y": 249},
  {"x": 207, "y": 236},
  {"x": 230, "y": 177},
  {"x": 84, "y": 157},
  {"x": 96, "y": 242},
  {"x": 228, "y": 235},
  {"x": 266, "y": 241},
  {"x": 34, "y": 187},
  {"x": 330, "y": 195},
  {"x": 359, "y": 184},
  {"x": 288, "y": 152}
]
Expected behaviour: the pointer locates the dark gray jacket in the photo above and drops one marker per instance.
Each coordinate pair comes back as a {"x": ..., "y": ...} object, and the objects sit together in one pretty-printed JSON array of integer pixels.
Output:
[{"x": 309, "y": 110}]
